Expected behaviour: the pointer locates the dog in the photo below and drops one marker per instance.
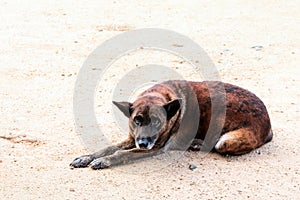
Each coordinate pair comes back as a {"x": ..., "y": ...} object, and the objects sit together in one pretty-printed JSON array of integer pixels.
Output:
[{"x": 180, "y": 115}]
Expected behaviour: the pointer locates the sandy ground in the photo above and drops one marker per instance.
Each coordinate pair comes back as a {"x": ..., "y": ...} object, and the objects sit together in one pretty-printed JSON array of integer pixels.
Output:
[{"x": 43, "y": 46}]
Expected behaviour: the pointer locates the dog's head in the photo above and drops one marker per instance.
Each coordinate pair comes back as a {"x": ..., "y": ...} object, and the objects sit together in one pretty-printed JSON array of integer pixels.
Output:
[{"x": 150, "y": 119}]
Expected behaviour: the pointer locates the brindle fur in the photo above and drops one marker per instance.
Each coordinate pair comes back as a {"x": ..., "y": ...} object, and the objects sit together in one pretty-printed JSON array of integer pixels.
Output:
[{"x": 245, "y": 126}]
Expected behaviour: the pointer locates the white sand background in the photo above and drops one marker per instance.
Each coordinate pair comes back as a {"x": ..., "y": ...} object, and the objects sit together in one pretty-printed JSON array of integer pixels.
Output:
[{"x": 43, "y": 45}]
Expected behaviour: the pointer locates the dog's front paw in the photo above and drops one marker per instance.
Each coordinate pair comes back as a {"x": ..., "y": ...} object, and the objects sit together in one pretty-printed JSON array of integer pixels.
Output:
[
  {"x": 100, "y": 163},
  {"x": 82, "y": 161}
]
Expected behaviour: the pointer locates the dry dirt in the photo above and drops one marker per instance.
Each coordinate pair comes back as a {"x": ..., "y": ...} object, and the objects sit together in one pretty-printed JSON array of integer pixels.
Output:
[{"x": 43, "y": 46}]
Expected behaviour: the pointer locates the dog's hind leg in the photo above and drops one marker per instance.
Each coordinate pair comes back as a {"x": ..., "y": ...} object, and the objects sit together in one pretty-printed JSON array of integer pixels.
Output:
[{"x": 238, "y": 142}]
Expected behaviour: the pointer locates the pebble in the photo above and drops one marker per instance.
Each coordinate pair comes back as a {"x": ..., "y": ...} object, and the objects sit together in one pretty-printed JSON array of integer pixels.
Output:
[
  {"x": 192, "y": 167},
  {"x": 257, "y": 47}
]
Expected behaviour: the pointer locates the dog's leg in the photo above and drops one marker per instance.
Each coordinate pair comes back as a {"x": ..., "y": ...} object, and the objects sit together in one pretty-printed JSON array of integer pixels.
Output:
[
  {"x": 196, "y": 145},
  {"x": 85, "y": 160},
  {"x": 237, "y": 142},
  {"x": 201, "y": 145},
  {"x": 122, "y": 157}
]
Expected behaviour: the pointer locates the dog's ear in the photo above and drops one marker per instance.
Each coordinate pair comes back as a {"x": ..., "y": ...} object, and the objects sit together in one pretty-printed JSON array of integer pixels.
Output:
[
  {"x": 125, "y": 107},
  {"x": 172, "y": 107}
]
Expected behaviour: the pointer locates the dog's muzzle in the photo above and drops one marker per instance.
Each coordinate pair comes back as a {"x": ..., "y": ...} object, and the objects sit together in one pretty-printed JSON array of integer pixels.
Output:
[{"x": 145, "y": 143}]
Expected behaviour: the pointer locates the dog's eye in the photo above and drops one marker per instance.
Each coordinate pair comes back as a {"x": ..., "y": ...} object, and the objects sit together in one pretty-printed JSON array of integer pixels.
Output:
[{"x": 138, "y": 120}]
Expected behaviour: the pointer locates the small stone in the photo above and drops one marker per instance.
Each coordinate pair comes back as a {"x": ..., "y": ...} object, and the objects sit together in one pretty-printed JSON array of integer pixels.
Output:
[
  {"x": 192, "y": 183},
  {"x": 192, "y": 167},
  {"x": 177, "y": 45},
  {"x": 72, "y": 190},
  {"x": 257, "y": 47}
]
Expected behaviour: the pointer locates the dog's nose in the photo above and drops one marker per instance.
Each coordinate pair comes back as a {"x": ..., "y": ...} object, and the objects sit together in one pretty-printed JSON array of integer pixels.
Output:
[{"x": 143, "y": 143}]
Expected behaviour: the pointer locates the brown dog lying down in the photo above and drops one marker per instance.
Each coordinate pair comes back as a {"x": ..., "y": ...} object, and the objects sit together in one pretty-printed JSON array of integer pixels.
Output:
[{"x": 176, "y": 115}]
